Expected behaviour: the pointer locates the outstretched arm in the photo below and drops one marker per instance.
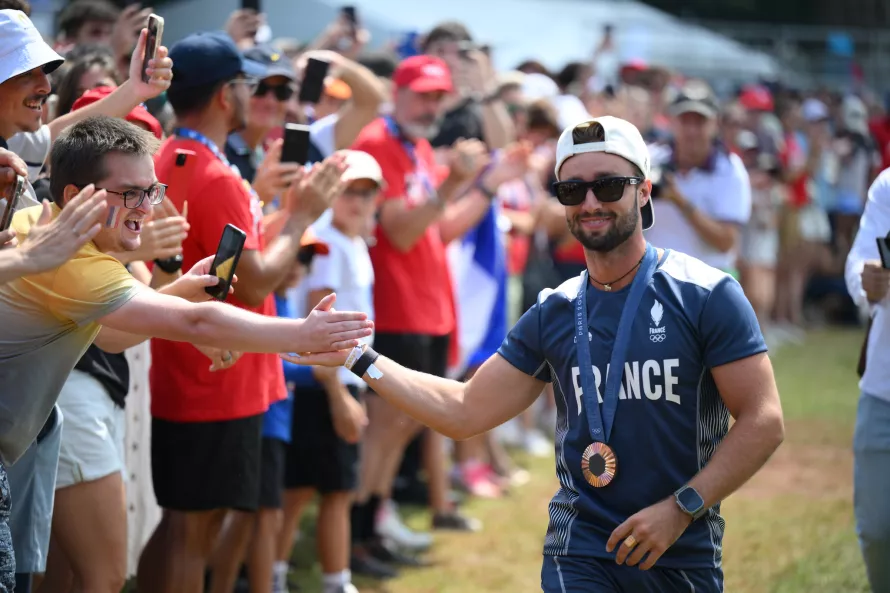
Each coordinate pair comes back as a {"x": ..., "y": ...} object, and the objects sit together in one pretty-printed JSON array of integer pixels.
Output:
[{"x": 497, "y": 392}]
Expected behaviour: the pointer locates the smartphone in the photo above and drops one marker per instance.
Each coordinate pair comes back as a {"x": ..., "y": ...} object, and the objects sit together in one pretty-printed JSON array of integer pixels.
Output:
[
  {"x": 312, "y": 85},
  {"x": 296, "y": 144},
  {"x": 884, "y": 250},
  {"x": 12, "y": 203},
  {"x": 226, "y": 260},
  {"x": 152, "y": 42},
  {"x": 253, "y": 5}
]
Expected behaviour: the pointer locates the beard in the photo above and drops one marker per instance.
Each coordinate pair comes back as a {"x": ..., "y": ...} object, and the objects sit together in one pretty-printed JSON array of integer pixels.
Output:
[
  {"x": 625, "y": 224},
  {"x": 427, "y": 130}
]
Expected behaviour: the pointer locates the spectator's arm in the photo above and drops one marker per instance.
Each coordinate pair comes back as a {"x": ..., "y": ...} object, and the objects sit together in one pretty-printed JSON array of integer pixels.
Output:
[
  {"x": 13, "y": 265},
  {"x": 367, "y": 96},
  {"x": 462, "y": 215},
  {"x": 127, "y": 96},
  {"x": 217, "y": 325},
  {"x": 875, "y": 222},
  {"x": 498, "y": 130}
]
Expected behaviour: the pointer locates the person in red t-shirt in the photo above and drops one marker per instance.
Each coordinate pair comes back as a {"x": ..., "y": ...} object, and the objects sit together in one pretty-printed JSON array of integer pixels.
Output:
[
  {"x": 207, "y": 426},
  {"x": 422, "y": 211}
]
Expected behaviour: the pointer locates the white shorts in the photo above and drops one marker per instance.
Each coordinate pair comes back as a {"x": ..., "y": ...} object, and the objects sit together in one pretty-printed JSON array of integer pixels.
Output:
[{"x": 92, "y": 434}]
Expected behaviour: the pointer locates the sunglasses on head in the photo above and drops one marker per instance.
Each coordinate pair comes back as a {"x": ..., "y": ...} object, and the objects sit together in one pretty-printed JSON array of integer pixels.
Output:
[
  {"x": 607, "y": 189},
  {"x": 283, "y": 92}
]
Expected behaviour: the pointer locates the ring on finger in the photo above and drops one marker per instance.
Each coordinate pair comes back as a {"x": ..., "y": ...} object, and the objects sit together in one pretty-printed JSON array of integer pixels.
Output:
[
  {"x": 227, "y": 357},
  {"x": 630, "y": 541}
]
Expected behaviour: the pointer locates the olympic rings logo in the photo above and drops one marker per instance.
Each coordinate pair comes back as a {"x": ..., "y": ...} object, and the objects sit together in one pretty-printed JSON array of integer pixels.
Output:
[{"x": 657, "y": 337}]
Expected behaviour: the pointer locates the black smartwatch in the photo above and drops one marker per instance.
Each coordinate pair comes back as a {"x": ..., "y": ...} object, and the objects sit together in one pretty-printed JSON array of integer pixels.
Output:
[
  {"x": 171, "y": 265},
  {"x": 690, "y": 502}
]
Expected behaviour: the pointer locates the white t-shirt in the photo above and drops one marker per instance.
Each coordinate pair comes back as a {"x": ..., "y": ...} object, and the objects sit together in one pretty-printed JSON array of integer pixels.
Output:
[
  {"x": 347, "y": 270},
  {"x": 321, "y": 133},
  {"x": 33, "y": 148},
  {"x": 722, "y": 192}
]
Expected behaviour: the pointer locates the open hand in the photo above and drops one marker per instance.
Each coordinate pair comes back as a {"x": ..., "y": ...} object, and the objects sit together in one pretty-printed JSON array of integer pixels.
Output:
[
  {"x": 315, "y": 192},
  {"x": 50, "y": 243},
  {"x": 328, "y": 335}
]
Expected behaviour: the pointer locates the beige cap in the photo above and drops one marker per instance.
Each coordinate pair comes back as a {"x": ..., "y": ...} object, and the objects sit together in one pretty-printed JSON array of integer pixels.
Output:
[{"x": 361, "y": 165}]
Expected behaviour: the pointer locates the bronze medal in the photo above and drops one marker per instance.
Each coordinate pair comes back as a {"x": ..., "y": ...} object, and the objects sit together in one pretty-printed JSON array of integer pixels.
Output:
[{"x": 599, "y": 464}]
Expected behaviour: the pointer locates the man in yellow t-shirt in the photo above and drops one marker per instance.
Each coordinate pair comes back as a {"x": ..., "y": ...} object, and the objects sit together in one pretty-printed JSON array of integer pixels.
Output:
[{"x": 49, "y": 319}]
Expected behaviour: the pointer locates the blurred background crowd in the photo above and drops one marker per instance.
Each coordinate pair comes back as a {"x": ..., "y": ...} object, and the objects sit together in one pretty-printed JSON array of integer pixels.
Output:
[{"x": 758, "y": 171}]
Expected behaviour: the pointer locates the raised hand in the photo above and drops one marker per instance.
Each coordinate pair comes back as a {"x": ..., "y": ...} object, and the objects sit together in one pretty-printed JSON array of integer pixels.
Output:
[
  {"x": 50, "y": 243},
  {"x": 315, "y": 192},
  {"x": 273, "y": 178},
  {"x": 160, "y": 71},
  {"x": 466, "y": 159}
]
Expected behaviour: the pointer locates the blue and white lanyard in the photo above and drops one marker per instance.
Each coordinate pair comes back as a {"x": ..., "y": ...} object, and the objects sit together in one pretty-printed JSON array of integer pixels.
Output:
[{"x": 420, "y": 169}]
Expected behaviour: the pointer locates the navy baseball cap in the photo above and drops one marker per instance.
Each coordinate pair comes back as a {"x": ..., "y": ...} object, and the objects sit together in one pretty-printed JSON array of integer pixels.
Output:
[
  {"x": 202, "y": 59},
  {"x": 275, "y": 62}
]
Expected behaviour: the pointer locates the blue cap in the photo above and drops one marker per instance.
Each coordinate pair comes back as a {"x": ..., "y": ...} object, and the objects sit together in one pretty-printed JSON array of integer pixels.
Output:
[
  {"x": 275, "y": 62},
  {"x": 202, "y": 59}
]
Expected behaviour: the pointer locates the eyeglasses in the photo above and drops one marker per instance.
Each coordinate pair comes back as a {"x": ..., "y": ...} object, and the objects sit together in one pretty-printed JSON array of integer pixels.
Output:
[
  {"x": 250, "y": 83},
  {"x": 282, "y": 92},
  {"x": 607, "y": 189},
  {"x": 133, "y": 198}
]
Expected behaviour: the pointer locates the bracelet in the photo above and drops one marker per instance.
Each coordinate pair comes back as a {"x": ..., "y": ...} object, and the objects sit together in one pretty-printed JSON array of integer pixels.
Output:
[{"x": 361, "y": 360}]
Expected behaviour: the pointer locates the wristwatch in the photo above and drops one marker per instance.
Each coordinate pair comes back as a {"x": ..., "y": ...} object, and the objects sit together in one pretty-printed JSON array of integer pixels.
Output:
[
  {"x": 690, "y": 502},
  {"x": 171, "y": 265}
]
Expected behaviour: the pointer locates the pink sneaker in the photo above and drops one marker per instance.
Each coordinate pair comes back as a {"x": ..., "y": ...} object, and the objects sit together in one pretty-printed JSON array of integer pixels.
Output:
[{"x": 478, "y": 479}]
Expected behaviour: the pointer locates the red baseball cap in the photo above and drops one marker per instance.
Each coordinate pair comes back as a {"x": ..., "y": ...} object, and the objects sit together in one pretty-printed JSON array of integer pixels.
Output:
[
  {"x": 139, "y": 114},
  {"x": 423, "y": 74},
  {"x": 756, "y": 98}
]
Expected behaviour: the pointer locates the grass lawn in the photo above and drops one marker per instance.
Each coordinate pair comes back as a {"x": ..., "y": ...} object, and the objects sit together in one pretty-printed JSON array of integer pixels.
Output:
[{"x": 790, "y": 530}]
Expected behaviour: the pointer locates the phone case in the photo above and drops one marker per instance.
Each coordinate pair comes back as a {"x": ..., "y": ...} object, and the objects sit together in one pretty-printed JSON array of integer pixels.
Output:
[
  {"x": 12, "y": 203},
  {"x": 224, "y": 264},
  {"x": 884, "y": 251},
  {"x": 152, "y": 41}
]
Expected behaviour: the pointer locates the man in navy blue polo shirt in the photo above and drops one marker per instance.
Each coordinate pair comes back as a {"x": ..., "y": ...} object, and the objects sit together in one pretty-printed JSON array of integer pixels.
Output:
[{"x": 644, "y": 456}]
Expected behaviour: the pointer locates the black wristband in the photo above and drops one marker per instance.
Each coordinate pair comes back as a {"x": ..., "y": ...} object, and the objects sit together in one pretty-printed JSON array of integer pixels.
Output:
[
  {"x": 362, "y": 365},
  {"x": 171, "y": 265}
]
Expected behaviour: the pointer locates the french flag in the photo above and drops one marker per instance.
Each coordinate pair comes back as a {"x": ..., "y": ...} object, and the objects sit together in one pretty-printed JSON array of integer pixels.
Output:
[{"x": 479, "y": 271}]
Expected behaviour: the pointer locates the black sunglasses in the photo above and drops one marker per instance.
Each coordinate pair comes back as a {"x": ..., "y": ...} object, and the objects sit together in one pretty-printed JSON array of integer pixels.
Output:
[
  {"x": 607, "y": 189},
  {"x": 283, "y": 92}
]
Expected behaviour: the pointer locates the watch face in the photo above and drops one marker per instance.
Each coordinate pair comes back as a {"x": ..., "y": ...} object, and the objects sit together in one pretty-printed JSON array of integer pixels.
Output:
[{"x": 691, "y": 500}]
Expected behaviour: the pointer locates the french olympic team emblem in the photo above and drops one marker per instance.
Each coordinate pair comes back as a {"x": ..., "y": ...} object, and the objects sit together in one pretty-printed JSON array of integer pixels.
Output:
[{"x": 657, "y": 333}]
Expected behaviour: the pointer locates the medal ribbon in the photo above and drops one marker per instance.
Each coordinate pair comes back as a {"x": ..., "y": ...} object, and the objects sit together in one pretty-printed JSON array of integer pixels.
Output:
[{"x": 601, "y": 423}]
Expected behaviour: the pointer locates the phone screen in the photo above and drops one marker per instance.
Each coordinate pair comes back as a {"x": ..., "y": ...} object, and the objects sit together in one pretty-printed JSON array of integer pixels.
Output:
[
  {"x": 296, "y": 144},
  {"x": 884, "y": 250},
  {"x": 12, "y": 203},
  {"x": 227, "y": 255},
  {"x": 253, "y": 5},
  {"x": 313, "y": 81},
  {"x": 152, "y": 42}
]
